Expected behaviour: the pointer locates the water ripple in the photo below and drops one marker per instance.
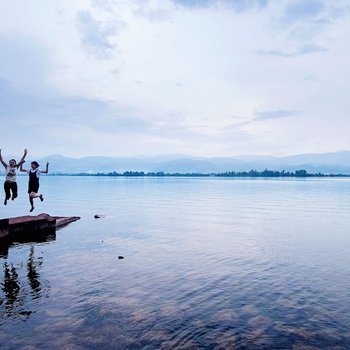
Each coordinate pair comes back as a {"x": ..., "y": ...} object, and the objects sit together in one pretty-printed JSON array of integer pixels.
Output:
[{"x": 208, "y": 264}]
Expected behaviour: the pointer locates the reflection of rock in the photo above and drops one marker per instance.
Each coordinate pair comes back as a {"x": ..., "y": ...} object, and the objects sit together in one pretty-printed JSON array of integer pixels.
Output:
[
  {"x": 226, "y": 340},
  {"x": 258, "y": 339},
  {"x": 289, "y": 303},
  {"x": 187, "y": 344},
  {"x": 330, "y": 333},
  {"x": 301, "y": 332},
  {"x": 55, "y": 312},
  {"x": 171, "y": 310},
  {"x": 6, "y": 244},
  {"x": 302, "y": 346},
  {"x": 261, "y": 322},
  {"x": 155, "y": 335},
  {"x": 225, "y": 315},
  {"x": 142, "y": 315},
  {"x": 250, "y": 310}
]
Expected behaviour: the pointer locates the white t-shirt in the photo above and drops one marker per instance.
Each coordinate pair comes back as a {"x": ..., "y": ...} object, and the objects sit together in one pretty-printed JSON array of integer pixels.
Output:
[{"x": 11, "y": 174}]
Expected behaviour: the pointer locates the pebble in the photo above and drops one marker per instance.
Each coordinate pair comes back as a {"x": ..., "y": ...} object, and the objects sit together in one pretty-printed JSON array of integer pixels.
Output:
[{"x": 98, "y": 216}]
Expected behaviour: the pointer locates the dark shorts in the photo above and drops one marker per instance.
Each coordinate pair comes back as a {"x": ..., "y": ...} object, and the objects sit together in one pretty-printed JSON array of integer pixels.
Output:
[{"x": 33, "y": 188}]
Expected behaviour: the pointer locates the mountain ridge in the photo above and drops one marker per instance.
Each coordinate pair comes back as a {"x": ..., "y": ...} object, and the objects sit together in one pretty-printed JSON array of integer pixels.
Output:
[{"x": 328, "y": 163}]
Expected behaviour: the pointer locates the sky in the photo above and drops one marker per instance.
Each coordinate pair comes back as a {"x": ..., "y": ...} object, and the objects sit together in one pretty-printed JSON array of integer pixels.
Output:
[{"x": 155, "y": 77}]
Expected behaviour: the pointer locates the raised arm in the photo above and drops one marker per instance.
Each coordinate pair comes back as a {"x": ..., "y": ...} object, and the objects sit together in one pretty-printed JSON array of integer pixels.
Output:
[
  {"x": 21, "y": 168},
  {"x": 23, "y": 158},
  {"x": 2, "y": 160},
  {"x": 46, "y": 170}
]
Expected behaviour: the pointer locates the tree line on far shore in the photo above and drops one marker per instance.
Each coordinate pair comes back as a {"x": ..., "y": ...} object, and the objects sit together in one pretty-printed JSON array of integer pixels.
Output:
[{"x": 252, "y": 173}]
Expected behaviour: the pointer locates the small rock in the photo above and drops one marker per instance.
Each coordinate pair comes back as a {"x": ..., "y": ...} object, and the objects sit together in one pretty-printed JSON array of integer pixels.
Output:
[
  {"x": 25, "y": 313},
  {"x": 98, "y": 216},
  {"x": 120, "y": 257}
]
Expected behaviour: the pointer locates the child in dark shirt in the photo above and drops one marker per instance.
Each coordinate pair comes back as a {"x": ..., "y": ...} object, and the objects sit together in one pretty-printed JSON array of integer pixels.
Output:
[{"x": 33, "y": 184}]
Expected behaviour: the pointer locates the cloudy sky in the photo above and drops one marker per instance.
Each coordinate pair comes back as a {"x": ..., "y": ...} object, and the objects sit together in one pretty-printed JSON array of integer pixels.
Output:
[{"x": 195, "y": 77}]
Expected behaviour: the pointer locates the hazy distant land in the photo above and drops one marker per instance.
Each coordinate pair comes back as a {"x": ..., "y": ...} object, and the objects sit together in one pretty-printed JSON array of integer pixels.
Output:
[{"x": 325, "y": 164}]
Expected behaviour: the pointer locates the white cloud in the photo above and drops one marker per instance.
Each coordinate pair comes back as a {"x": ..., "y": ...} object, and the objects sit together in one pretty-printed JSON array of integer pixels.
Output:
[
  {"x": 95, "y": 35},
  {"x": 304, "y": 50},
  {"x": 165, "y": 76},
  {"x": 274, "y": 114},
  {"x": 236, "y": 5}
]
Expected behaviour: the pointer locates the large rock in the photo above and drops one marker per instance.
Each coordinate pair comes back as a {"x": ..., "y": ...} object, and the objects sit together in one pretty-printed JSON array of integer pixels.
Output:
[{"x": 24, "y": 226}]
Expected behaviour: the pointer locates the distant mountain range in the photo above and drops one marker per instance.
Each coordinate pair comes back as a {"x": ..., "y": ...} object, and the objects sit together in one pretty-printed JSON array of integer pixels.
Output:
[{"x": 328, "y": 163}]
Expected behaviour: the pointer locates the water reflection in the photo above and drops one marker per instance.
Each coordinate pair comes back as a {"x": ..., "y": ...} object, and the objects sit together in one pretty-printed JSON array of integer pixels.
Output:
[
  {"x": 10, "y": 287},
  {"x": 22, "y": 284},
  {"x": 32, "y": 275},
  {"x": 208, "y": 265},
  {"x": 42, "y": 237}
]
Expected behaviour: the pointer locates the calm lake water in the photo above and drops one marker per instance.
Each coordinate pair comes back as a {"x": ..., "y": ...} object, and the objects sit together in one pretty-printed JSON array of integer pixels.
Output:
[{"x": 208, "y": 264}]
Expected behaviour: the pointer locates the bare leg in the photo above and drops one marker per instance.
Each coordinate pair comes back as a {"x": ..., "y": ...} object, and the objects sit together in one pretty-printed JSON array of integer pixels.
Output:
[
  {"x": 31, "y": 201},
  {"x": 33, "y": 195}
]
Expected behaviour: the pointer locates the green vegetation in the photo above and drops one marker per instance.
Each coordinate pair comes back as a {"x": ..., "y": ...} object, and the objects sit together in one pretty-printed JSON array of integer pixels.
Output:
[{"x": 252, "y": 173}]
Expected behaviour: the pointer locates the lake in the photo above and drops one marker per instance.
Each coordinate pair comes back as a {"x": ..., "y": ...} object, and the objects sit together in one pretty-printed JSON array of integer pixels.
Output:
[{"x": 209, "y": 263}]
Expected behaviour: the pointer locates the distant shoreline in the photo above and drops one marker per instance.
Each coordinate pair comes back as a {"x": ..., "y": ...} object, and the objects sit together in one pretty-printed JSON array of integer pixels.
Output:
[{"x": 246, "y": 174}]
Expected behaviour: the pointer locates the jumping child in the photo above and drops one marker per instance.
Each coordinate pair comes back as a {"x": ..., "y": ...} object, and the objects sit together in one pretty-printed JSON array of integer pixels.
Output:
[
  {"x": 33, "y": 184},
  {"x": 10, "y": 184}
]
